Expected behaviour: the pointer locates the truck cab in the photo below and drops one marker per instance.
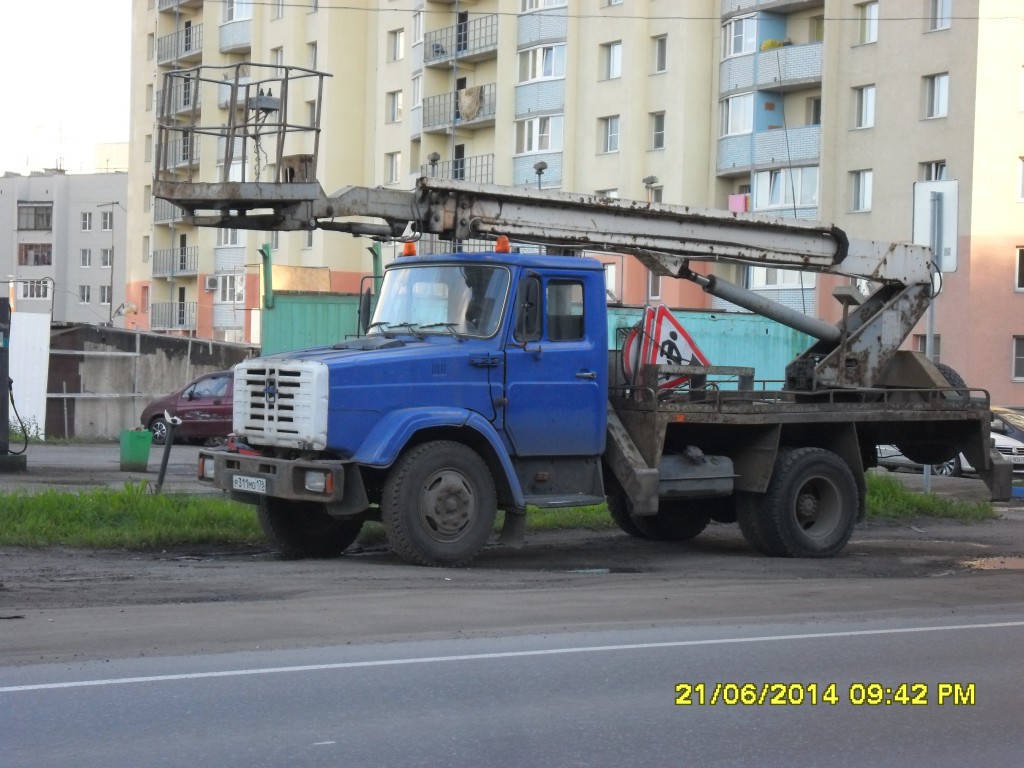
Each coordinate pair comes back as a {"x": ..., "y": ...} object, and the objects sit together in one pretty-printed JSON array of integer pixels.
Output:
[{"x": 481, "y": 384}]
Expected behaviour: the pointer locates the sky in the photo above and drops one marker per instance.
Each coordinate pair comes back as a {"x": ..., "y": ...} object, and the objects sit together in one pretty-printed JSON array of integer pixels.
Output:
[{"x": 66, "y": 86}]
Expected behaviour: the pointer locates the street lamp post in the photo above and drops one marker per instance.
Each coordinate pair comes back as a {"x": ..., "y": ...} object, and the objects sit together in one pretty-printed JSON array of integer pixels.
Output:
[
  {"x": 539, "y": 169},
  {"x": 649, "y": 182},
  {"x": 110, "y": 298}
]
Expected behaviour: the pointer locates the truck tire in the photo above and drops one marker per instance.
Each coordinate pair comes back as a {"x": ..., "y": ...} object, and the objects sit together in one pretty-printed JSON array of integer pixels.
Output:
[
  {"x": 619, "y": 509},
  {"x": 956, "y": 381},
  {"x": 675, "y": 521},
  {"x": 439, "y": 504},
  {"x": 751, "y": 518},
  {"x": 811, "y": 504},
  {"x": 299, "y": 529}
]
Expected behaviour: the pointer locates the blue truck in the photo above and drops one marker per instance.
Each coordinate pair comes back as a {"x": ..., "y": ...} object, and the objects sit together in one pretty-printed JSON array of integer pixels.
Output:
[{"x": 484, "y": 383}]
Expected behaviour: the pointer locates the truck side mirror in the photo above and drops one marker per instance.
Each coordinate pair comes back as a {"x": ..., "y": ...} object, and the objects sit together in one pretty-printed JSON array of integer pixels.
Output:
[
  {"x": 364, "y": 310},
  {"x": 527, "y": 322}
]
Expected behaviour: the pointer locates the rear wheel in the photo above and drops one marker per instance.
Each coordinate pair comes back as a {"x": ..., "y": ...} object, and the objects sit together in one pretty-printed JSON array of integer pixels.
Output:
[
  {"x": 299, "y": 529},
  {"x": 811, "y": 504},
  {"x": 951, "y": 468},
  {"x": 159, "y": 429},
  {"x": 439, "y": 504},
  {"x": 750, "y": 518}
]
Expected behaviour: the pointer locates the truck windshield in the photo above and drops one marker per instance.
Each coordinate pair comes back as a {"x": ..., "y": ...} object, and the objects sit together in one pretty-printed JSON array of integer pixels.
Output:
[{"x": 456, "y": 299}]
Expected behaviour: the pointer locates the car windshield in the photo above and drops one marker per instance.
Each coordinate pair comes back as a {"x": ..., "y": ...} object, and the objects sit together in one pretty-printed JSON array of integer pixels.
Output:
[
  {"x": 455, "y": 299},
  {"x": 1013, "y": 418}
]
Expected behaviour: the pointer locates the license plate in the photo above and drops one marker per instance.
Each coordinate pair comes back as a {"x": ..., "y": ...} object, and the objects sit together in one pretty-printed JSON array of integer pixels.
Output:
[
  {"x": 1017, "y": 459},
  {"x": 249, "y": 484}
]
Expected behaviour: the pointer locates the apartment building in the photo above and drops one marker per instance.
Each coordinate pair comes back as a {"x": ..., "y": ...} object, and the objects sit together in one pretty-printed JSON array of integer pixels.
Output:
[
  {"x": 63, "y": 242},
  {"x": 818, "y": 109}
]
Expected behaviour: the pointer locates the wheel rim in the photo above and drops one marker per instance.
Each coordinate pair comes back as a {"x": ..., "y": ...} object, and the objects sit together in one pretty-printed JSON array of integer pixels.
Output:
[
  {"x": 159, "y": 430},
  {"x": 818, "y": 507},
  {"x": 448, "y": 505},
  {"x": 945, "y": 468}
]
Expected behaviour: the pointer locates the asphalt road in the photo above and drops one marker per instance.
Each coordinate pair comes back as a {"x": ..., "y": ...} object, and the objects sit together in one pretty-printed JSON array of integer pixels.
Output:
[{"x": 825, "y": 693}]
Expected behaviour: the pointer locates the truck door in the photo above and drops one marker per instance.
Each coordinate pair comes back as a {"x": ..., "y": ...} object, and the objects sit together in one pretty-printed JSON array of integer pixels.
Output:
[{"x": 556, "y": 367}]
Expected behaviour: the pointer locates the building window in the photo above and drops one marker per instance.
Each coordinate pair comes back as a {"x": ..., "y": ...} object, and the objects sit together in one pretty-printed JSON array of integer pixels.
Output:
[
  {"x": 814, "y": 110},
  {"x": 539, "y": 134},
  {"x": 396, "y": 45},
  {"x": 535, "y": 5},
  {"x": 609, "y": 133},
  {"x": 657, "y": 130},
  {"x": 105, "y": 294},
  {"x": 941, "y": 16},
  {"x": 614, "y": 2},
  {"x": 393, "y": 107},
  {"x": 921, "y": 345},
  {"x": 542, "y": 63},
  {"x": 35, "y": 289},
  {"x": 309, "y": 238},
  {"x": 867, "y": 16},
  {"x": 772, "y": 277},
  {"x": 107, "y": 221},
  {"x": 311, "y": 54},
  {"x": 660, "y": 47},
  {"x": 106, "y": 257},
  {"x": 226, "y": 237},
  {"x": 865, "y": 107},
  {"x": 862, "y": 181},
  {"x": 235, "y": 10},
  {"x": 817, "y": 30},
  {"x": 937, "y": 95},
  {"x": 653, "y": 285},
  {"x": 786, "y": 188},
  {"x": 417, "y": 27},
  {"x": 1020, "y": 268},
  {"x": 1018, "y": 357},
  {"x": 392, "y": 167},
  {"x": 231, "y": 289},
  {"x": 279, "y": 9},
  {"x": 1020, "y": 176},
  {"x": 417, "y": 91},
  {"x": 933, "y": 171},
  {"x": 739, "y": 36},
  {"x": 35, "y": 254},
  {"x": 612, "y": 194},
  {"x": 83, "y": 294},
  {"x": 736, "y": 114},
  {"x": 612, "y": 55},
  {"x": 275, "y": 240},
  {"x": 38, "y": 217},
  {"x": 86, "y": 221},
  {"x": 277, "y": 58},
  {"x": 86, "y": 257}
]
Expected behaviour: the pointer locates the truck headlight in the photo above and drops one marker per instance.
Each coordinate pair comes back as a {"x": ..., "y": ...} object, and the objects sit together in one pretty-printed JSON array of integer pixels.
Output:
[
  {"x": 318, "y": 481},
  {"x": 206, "y": 467}
]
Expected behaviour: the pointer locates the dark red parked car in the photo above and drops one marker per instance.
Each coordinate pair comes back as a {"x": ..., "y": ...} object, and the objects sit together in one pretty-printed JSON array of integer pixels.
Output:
[{"x": 203, "y": 405}]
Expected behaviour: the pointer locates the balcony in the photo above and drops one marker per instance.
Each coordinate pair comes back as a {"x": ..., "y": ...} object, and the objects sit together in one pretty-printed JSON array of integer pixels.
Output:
[
  {"x": 184, "y": 45},
  {"x": 734, "y": 7},
  {"x": 479, "y": 168},
  {"x": 166, "y": 213},
  {"x": 236, "y": 36},
  {"x": 173, "y": 316},
  {"x": 170, "y": 262},
  {"x": 472, "y": 107},
  {"x": 476, "y": 40},
  {"x": 179, "y": 99},
  {"x": 169, "y": 6},
  {"x": 789, "y": 68},
  {"x": 738, "y": 155}
]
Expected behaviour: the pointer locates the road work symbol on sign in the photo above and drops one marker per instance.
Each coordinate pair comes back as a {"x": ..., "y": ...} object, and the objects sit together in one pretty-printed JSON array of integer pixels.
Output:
[{"x": 659, "y": 338}]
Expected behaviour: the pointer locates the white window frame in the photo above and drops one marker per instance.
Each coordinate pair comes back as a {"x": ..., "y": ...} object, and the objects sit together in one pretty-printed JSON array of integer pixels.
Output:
[
  {"x": 546, "y": 62},
  {"x": 230, "y": 289},
  {"x": 393, "y": 107},
  {"x": 1020, "y": 269},
  {"x": 106, "y": 257},
  {"x": 1020, "y": 179},
  {"x": 278, "y": 9},
  {"x": 311, "y": 54},
  {"x": 228, "y": 238},
  {"x": 940, "y": 15},
  {"x": 773, "y": 277},
  {"x": 105, "y": 294},
  {"x": 417, "y": 91},
  {"x": 660, "y": 54},
  {"x": 536, "y": 5},
  {"x": 863, "y": 184},
  {"x": 609, "y": 134},
  {"x": 739, "y": 36},
  {"x": 865, "y": 105},
  {"x": 936, "y": 95},
  {"x": 107, "y": 221},
  {"x": 736, "y": 114},
  {"x": 396, "y": 45},
  {"x": 1017, "y": 362},
  {"x": 786, "y": 188},
  {"x": 653, "y": 285},
  {"x": 934, "y": 170},
  {"x": 87, "y": 221},
  {"x": 237, "y": 10},
  {"x": 417, "y": 27},
  {"x": 657, "y": 130},
  {"x": 392, "y": 167},
  {"x": 539, "y": 134},
  {"x": 85, "y": 257},
  {"x": 35, "y": 289},
  {"x": 84, "y": 294},
  {"x": 612, "y": 60},
  {"x": 867, "y": 23}
]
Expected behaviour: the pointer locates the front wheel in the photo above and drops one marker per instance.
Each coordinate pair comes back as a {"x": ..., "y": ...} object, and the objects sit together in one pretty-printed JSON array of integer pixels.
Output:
[
  {"x": 811, "y": 504},
  {"x": 439, "y": 504},
  {"x": 951, "y": 468},
  {"x": 299, "y": 529},
  {"x": 159, "y": 428}
]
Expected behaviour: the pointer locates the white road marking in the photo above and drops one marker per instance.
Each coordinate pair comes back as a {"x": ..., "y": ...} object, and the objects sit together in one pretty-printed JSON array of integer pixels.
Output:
[{"x": 501, "y": 655}]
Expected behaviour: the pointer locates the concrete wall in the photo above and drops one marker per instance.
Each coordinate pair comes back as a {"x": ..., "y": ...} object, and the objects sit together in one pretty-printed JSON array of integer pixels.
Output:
[{"x": 101, "y": 378}]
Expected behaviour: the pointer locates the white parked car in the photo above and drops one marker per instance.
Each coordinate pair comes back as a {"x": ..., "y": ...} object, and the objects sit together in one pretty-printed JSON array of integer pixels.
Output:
[{"x": 889, "y": 456}]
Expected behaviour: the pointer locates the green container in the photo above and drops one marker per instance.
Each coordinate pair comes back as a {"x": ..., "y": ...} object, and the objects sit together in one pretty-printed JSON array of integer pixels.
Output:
[{"x": 135, "y": 445}]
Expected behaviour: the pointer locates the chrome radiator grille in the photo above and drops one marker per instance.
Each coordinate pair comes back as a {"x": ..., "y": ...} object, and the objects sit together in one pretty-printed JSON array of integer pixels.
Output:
[{"x": 281, "y": 403}]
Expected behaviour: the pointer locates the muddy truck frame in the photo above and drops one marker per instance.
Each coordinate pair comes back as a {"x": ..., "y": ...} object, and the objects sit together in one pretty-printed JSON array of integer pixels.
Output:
[{"x": 484, "y": 384}]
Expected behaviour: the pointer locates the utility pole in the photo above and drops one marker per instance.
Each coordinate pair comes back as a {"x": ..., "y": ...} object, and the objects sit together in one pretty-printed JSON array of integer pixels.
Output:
[{"x": 110, "y": 298}]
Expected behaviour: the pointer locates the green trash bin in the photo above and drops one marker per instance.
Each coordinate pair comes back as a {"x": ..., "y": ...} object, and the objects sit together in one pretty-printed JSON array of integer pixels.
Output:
[{"x": 135, "y": 445}]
